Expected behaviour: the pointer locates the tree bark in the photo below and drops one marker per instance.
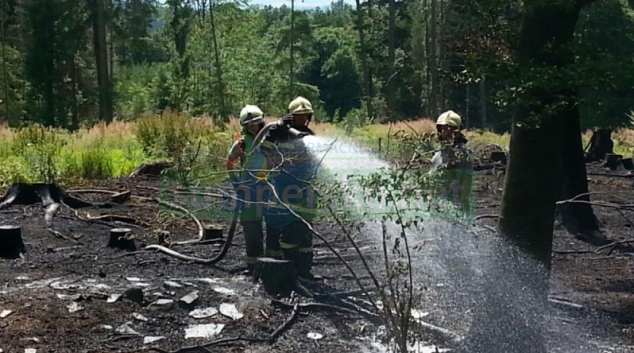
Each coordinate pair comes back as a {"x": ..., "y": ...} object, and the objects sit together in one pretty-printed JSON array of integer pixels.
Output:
[
  {"x": 364, "y": 61},
  {"x": 5, "y": 77},
  {"x": 433, "y": 63},
  {"x": 391, "y": 90},
  {"x": 223, "y": 108},
  {"x": 483, "y": 104},
  {"x": 291, "y": 73},
  {"x": 101, "y": 60},
  {"x": 74, "y": 108},
  {"x": 578, "y": 218}
]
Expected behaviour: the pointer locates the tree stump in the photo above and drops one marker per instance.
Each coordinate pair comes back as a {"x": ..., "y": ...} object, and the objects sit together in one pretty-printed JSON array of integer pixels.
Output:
[
  {"x": 11, "y": 244},
  {"x": 498, "y": 156},
  {"x": 119, "y": 239},
  {"x": 612, "y": 161},
  {"x": 278, "y": 276},
  {"x": 628, "y": 163},
  {"x": 47, "y": 194},
  {"x": 212, "y": 233},
  {"x": 600, "y": 145}
]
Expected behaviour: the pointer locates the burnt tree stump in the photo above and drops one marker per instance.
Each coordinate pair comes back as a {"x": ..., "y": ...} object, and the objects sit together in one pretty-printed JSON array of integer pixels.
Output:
[
  {"x": 119, "y": 239},
  {"x": 612, "y": 161},
  {"x": 47, "y": 194},
  {"x": 11, "y": 244},
  {"x": 600, "y": 145},
  {"x": 212, "y": 233},
  {"x": 277, "y": 276},
  {"x": 498, "y": 156}
]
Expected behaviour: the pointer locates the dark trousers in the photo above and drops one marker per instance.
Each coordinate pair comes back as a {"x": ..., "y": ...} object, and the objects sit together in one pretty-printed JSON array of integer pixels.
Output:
[{"x": 254, "y": 237}]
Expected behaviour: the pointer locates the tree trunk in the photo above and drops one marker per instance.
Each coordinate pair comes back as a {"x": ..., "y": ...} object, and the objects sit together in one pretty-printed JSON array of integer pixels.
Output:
[
  {"x": 483, "y": 104},
  {"x": 364, "y": 61},
  {"x": 101, "y": 60},
  {"x": 74, "y": 108},
  {"x": 578, "y": 218},
  {"x": 223, "y": 108},
  {"x": 5, "y": 77},
  {"x": 433, "y": 63},
  {"x": 391, "y": 89},
  {"x": 441, "y": 57},
  {"x": 600, "y": 145},
  {"x": 516, "y": 287},
  {"x": 467, "y": 106},
  {"x": 291, "y": 72},
  {"x": 427, "y": 56}
]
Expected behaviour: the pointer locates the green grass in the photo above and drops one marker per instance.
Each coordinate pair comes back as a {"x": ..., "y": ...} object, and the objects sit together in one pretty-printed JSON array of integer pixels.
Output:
[{"x": 37, "y": 154}]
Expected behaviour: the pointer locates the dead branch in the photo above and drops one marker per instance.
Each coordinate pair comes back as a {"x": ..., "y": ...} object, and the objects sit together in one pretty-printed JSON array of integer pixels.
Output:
[
  {"x": 179, "y": 255},
  {"x": 614, "y": 245},
  {"x": 186, "y": 211},
  {"x": 442, "y": 333},
  {"x": 482, "y": 216},
  {"x": 62, "y": 236},
  {"x": 286, "y": 324},
  {"x": 598, "y": 203},
  {"x": 210, "y": 344},
  {"x": 117, "y": 218},
  {"x": 316, "y": 306},
  {"x": 626, "y": 176}
]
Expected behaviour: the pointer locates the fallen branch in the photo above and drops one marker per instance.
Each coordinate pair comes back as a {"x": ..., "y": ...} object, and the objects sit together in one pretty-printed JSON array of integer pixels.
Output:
[
  {"x": 210, "y": 344},
  {"x": 286, "y": 324},
  {"x": 482, "y": 216},
  {"x": 179, "y": 255},
  {"x": 186, "y": 211},
  {"x": 62, "y": 236},
  {"x": 117, "y": 218},
  {"x": 440, "y": 332},
  {"x": 614, "y": 245},
  {"x": 626, "y": 176},
  {"x": 315, "y": 306}
]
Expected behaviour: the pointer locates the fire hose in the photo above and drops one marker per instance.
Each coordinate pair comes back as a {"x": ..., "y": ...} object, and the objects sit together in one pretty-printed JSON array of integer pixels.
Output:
[{"x": 257, "y": 141}]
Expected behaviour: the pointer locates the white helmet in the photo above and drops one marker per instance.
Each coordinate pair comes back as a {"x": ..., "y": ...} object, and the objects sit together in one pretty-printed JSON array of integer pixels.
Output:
[{"x": 251, "y": 114}]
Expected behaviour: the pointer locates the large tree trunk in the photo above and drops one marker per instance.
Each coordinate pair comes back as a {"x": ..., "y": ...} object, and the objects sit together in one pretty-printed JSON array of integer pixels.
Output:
[
  {"x": 516, "y": 285},
  {"x": 578, "y": 218},
  {"x": 101, "y": 60}
]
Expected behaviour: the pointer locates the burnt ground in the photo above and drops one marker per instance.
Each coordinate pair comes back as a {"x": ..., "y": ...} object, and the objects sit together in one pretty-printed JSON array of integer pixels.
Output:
[{"x": 40, "y": 288}]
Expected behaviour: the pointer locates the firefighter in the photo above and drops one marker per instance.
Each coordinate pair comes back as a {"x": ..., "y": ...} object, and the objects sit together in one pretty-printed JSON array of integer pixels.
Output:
[
  {"x": 291, "y": 182},
  {"x": 453, "y": 158},
  {"x": 249, "y": 181}
]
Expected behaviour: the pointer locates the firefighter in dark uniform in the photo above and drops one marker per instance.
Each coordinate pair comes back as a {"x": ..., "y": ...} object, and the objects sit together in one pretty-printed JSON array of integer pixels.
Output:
[{"x": 295, "y": 168}]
